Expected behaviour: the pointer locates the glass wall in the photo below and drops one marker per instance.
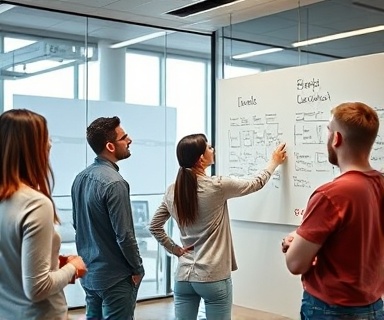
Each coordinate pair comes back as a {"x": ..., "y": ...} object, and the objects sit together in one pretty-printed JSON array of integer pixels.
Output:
[
  {"x": 337, "y": 29},
  {"x": 73, "y": 69}
]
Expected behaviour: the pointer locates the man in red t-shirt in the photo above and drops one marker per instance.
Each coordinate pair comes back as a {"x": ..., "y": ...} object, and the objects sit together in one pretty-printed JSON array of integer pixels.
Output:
[{"x": 339, "y": 246}]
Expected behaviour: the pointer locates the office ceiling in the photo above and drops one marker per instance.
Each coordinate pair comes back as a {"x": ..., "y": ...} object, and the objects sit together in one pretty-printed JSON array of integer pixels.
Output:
[
  {"x": 261, "y": 23},
  {"x": 154, "y": 12}
]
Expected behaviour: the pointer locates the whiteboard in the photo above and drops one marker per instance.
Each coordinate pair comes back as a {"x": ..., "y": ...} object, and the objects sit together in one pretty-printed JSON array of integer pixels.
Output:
[{"x": 255, "y": 113}]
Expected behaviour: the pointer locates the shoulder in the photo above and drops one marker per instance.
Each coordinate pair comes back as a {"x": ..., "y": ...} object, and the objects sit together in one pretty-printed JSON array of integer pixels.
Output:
[
  {"x": 351, "y": 182},
  {"x": 169, "y": 194},
  {"x": 216, "y": 180},
  {"x": 209, "y": 182},
  {"x": 31, "y": 196},
  {"x": 100, "y": 172},
  {"x": 32, "y": 203},
  {"x": 170, "y": 189}
]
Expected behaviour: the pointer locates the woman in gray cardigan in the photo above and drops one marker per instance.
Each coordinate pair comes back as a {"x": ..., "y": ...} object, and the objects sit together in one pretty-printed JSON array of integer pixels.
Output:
[
  {"x": 31, "y": 282},
  {"x": 198, "y": 203}
]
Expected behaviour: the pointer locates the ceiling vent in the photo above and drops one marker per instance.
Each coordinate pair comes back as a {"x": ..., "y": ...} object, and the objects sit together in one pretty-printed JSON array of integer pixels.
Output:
[{"x": 199, "y": 7}]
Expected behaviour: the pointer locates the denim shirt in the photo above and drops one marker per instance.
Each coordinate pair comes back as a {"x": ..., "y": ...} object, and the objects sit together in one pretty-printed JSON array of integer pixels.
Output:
[{"x": 102, "y": 216}]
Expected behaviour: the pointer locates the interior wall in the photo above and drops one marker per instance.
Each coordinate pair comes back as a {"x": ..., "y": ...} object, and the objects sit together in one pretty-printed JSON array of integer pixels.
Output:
[{"x": 262, "y": 281}]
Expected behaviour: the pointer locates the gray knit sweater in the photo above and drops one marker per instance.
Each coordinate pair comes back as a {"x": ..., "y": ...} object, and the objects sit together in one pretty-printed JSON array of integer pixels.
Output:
[{"x": 31, "y": 283}]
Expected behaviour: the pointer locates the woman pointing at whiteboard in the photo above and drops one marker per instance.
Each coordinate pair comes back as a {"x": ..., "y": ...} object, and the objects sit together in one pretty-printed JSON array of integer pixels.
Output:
[{"x": 198, "y": 203}]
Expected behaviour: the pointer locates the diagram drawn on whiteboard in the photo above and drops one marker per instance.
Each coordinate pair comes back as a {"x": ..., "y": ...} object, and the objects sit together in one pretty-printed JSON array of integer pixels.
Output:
[{"x": 251, "y": 143}]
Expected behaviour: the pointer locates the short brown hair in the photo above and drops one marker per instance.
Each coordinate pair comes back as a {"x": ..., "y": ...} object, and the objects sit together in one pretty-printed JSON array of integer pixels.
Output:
[{"x": 101, "y": 131}]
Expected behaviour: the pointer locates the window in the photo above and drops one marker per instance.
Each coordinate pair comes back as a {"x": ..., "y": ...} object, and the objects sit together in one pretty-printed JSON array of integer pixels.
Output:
[
  {"x": 142, "y": 79},
  {"x": 58, "y": 83},
  {"x": 165, "y": 87},
  {"x": 186, "y": 83}
]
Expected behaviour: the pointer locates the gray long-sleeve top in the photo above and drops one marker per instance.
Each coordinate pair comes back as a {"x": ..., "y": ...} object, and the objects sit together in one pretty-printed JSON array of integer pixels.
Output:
[
  {"x": 105, "y": 235},
  {"x": 212, "y": 257},
  {"x": 31, "y": 283}
]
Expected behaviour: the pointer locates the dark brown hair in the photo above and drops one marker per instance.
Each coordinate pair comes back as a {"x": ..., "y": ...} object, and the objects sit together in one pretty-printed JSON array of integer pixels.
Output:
[
  {"x": 101, "y": 131},
  {"x": 24, "y": 153},
  {"x": 188, "y": 151}
]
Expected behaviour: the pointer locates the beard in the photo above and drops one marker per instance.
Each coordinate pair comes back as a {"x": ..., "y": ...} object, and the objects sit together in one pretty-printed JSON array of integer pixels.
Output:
[
  {"x": 332, "y": 156},
  {"x": 122, "y": 154}
]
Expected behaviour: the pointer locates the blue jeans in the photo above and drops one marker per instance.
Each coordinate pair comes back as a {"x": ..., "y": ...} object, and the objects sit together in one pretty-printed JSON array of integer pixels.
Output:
[
  {"x": 313, "y": 308},
  {"x": 115, "y": 303},
  {"x": 217, "y": 297}
]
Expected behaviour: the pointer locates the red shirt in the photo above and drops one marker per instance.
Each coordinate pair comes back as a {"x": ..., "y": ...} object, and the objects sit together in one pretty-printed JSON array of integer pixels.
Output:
[{"x": 346, "y": 217}]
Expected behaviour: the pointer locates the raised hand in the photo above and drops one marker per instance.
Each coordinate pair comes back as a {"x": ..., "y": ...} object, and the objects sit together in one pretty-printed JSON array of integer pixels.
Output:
[{"x": 280, "y": 154}]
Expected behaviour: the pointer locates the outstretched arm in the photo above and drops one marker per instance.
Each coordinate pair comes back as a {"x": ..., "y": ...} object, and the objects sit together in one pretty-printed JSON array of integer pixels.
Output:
[{"x": 240, "y": 187}]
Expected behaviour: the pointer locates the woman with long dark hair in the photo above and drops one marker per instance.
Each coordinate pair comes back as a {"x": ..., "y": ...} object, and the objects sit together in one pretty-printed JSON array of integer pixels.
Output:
[{"x": 198, "y": 203}]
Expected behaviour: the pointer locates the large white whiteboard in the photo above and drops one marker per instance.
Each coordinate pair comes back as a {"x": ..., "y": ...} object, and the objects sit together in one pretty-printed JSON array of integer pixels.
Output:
[{"x": 291, "y": 105}]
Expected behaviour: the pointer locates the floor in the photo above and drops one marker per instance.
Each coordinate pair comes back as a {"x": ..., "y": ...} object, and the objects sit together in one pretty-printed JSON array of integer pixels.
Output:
[{"x": 162, "y": 309}]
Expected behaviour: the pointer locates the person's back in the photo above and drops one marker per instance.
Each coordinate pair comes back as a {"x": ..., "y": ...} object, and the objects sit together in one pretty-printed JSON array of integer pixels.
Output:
[
  {"x": 347, "y": 270},
  {"x": 198, "y": 203},
  {"x": 96, "y": 238},
  {"x": 104, "y": 226},
  {"x": 208, "y": 259}
]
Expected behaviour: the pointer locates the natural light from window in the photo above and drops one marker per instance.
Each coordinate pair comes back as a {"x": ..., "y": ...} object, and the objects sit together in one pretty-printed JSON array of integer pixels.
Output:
[
  {"x": 186, "y": 91},
  {"x": 58, "y": 83},
  {"x": 142, "y": 79}
]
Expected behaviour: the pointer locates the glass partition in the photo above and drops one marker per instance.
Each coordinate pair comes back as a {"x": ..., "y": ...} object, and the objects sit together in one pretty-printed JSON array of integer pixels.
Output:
[
  {"x": 319, "y": 31},
  {"x": 73, "y": 69}
]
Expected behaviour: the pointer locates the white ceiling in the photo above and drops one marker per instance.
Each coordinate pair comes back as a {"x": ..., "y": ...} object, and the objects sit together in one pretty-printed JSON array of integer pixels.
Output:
[
  {"x": 261, "y": 23},
  {"x": 153, "y": 12}
]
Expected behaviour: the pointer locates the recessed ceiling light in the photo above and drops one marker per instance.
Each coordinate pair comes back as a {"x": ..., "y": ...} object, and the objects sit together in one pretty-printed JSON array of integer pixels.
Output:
[
  {"x": 138, "y": 39},
  {"x": 338, "y": 36},
  {"x": 5, "y": 7},
  {"x": 256, "y": 53}
]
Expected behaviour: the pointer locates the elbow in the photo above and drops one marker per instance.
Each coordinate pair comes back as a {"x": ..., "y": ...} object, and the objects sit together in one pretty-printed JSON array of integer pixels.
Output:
[
  {"x": 151, "y": 229},
  {"x": 36, "y": 296},
  {"x": 297, "y": 268},
  {"x": 294, "y": 269},
  {"x": 36, "y": 293}
]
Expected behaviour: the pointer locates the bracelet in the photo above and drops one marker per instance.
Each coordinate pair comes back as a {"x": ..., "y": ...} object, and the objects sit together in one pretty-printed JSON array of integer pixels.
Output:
[{"x": 173, "y": 246}]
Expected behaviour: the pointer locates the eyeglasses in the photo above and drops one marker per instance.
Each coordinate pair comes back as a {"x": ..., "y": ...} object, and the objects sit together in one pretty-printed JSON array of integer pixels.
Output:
[{"x": 122, "y": 138}]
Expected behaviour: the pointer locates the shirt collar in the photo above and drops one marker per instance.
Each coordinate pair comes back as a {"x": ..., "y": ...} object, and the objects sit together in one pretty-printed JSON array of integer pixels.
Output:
[{"x": 101, "y": 160}]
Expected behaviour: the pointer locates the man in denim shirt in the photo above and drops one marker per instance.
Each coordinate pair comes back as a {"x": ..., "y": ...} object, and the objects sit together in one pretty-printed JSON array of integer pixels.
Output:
[{"x": 105, "y": 236}]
